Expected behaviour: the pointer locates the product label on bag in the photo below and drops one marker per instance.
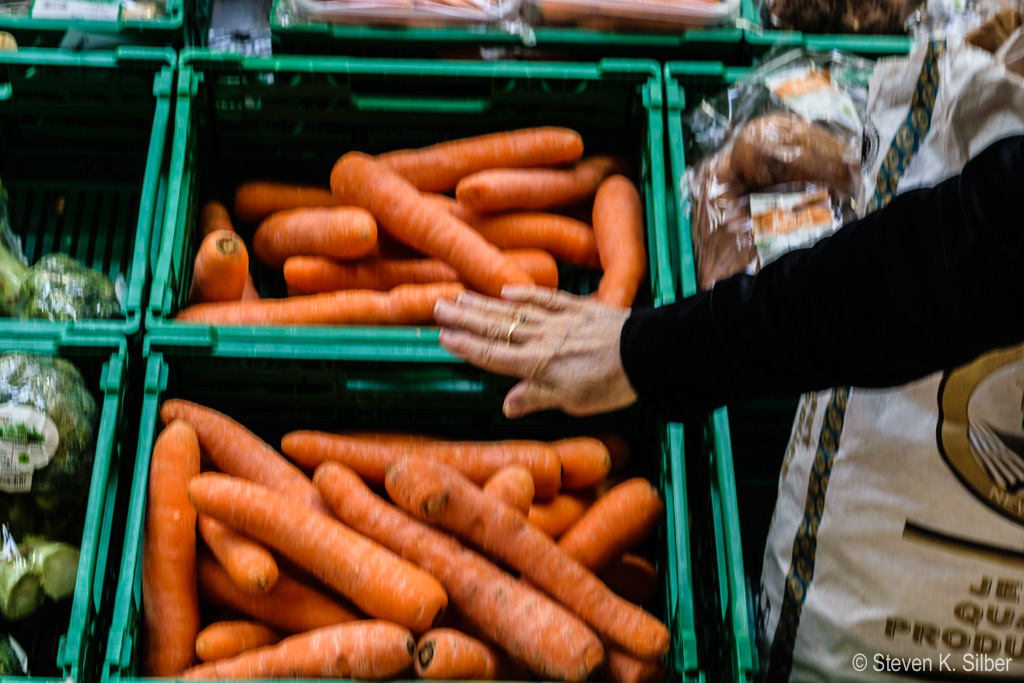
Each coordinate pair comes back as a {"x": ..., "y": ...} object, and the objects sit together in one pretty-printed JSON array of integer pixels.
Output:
[
  {"x": 784, "y": 222},
  {"x": 28, "y": 440},
  {"x": 810, "y": 93},
  {"x": 82, "y": 10}
]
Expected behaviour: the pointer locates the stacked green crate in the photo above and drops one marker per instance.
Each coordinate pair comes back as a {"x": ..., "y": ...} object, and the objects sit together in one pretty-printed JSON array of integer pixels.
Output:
[
  {"x": 82, "y": 160},
  {"x": 103, "y": 363},
  {"x": 291, "y": 118},
  {"x": 297, "y": 36},
  {"x": 329, "y": 390},
  {"x": 44, "y": 23},
  {"x": 761, "y": 38}
]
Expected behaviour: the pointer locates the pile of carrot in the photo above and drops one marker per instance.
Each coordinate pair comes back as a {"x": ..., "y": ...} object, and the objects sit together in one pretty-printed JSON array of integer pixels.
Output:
[
  {"x": 502, "y": 560},
  {"x": 381, "y": 227}
]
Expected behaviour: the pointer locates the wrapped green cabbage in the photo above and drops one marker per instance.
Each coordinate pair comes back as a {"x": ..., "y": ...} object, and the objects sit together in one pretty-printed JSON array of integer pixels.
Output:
[{"x": 59, "y": 288}]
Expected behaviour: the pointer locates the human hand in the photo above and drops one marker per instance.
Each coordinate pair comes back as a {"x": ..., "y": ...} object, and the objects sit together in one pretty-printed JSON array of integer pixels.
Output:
[{"x": 565, "y": 348}]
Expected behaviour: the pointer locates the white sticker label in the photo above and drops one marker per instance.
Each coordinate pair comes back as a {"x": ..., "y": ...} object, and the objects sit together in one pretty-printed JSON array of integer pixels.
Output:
[
  {"x": 785, "y": 222},
  {"x": 28, "y": 440},
  {"x": 86, "y": 10},
  {"x": 810, "y": 93}
]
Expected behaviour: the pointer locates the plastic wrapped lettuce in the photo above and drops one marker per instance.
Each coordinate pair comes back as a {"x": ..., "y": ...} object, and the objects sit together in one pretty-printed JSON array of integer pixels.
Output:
[
  {"x": 47, "y": 422},
  {"x": 59, "y": 288},
  {"x": 32, "y": 573}
]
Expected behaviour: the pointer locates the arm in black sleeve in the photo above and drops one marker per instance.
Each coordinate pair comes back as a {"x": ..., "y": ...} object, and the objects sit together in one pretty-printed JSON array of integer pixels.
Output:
[{"x": 927, "y": 283}]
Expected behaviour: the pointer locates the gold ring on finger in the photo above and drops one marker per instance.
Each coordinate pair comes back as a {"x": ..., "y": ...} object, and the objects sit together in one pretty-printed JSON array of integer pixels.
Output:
[{"x": 516, "y": 322}]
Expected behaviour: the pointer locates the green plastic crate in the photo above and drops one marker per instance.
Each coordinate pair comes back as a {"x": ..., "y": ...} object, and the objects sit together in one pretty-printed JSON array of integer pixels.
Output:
[
  {"x": 163, "y": 30},
  {"x": 290, "y": 118},
  {"x": 103, "y": 362},
  {"x": 760, "y": 38},
  {"x": 274, "y": 396},
  {"x": 317, "y": 37},
  {"x": 686, "y": 83},
  {"x": 82, "y": 138}
]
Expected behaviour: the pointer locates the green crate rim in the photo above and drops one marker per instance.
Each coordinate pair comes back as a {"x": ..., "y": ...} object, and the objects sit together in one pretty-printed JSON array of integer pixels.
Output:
[
  {"x": 546, "y": 37},
  {"x": 125, "y": 57},
  {"x": 375, "y": 343},
  {"x": 88, "y": 581},
  {"x": 173, "y": 22},
  {"x": 679, "y": 592},
  {"x": 757, "y": 35},
  {"x": 743, "y": 652}
]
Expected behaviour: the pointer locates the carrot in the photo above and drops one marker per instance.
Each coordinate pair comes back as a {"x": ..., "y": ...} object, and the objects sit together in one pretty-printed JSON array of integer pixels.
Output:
[
  {"x": 527, "y": 624},
  {"x": 558, "y": 514},
  {"x": 340, "y": 232},
  {"x": 439, "y": 168},
  {"x": 214, "y": 216},
  {"x": 170, "y": 601},
  {"x": 249, "y": 564},
  {"x": 504, "y": 189},
  {"x": 632, "y": 577},
  {"x": 238, "y": 452},
  {"x": 568, "y": 240},
  {"x": 619, "y": 229},
  {"x": 447, "y": 654},
  {"x": 379, "y": 582},
  {"x": 225, "y": 639},
  {"x": 585, "y": 461},
  {"x": 358, "y": 180},
  {"x": 255, "y": 200},
  {"x": 512, "y": 485},
  {"x": 312, "y": 274},
  {"x": 618, "y": 449},
  {"x": 615, "y": 523},
  {"x": 290, "y": 605},
  {"x": 624, "y": 668},
  {"x": 443, "y": 496},
  {"x": 403, "y": 305},
  {"x": 478, "y": 460},
  {"x": 368, "y": 650},
  {"x": 220, "y": 268}
]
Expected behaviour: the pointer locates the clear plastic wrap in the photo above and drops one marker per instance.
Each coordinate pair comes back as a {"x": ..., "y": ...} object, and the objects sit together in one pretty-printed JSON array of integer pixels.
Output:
[
  {"x": 648, "y": 15},
  {"x": 423, "y": 13},
  {"x": 59, "y": 288},
  {"x": 783, "y": 160},
  {"x": 47, "y": 422},
  {"x": 880, "y": 17},
  {"x": 13, "y": 266}
]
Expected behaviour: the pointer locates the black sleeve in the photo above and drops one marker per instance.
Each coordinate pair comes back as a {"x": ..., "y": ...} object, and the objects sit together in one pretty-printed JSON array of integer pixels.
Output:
[{"x": 927, "y": 283}]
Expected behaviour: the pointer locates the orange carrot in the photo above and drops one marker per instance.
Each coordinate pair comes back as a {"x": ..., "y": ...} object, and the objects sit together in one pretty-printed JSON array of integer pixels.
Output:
[
  {"x": 358, "y": 180},
  {"x": 585, "y": 461},
  {"x": 619, "y": 229},
  {"x": 249, "y": 564},
  {"x": 632, "y": 577},
  {"x": 366, "y": 650},
  {"x": 512, "y": 485},
  {"x": 447, "y": 654},
  {"x": 618, "y": 449},
  {"x": 225, "y": 639},
  {"x": 403, "y": 305},
  {"x": 568, "y": 240},
  {"x": 558, "y": 514},
  {"x": 479, "y": 460},
  {"x": 238, "y": 452},
  {"x": 624, "y": 668},
  {"x": 339, "y": 232},
  {"x": 443, "y": 496},
  {"x": 615, "y": 523},
  {"x": 375, "y": 579},
  {"x": 439, "y": 168},
  {"x": 312, "y": 274},
  {"x": 170, "y": 601},
  {"x": 255, "y": 200},
  {"x": 215, "y": 217},
  {"x": 290, "y": 606},
  {"x": 527, "y": 624},
  {"x": 220, "y": 268},
  {"x": 504, "y": 189}
]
